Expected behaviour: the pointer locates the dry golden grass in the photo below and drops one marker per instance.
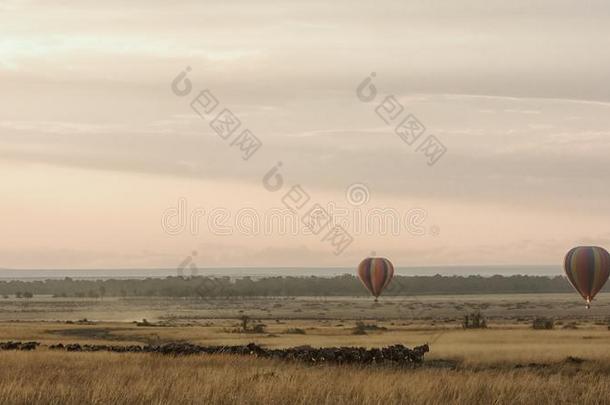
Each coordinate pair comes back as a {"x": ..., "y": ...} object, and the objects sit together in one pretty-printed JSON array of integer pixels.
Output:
[
  {"x": 493, "y": 363},
  {"x": 101, "y": 378}
]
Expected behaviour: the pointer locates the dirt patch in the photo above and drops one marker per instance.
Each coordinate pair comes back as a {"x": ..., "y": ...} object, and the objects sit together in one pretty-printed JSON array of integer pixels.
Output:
[{"x": 95, "y": 334}]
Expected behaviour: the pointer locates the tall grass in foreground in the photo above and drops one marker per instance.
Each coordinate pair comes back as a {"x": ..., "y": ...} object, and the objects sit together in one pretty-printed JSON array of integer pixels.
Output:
[{"x": 75, "y": 378}]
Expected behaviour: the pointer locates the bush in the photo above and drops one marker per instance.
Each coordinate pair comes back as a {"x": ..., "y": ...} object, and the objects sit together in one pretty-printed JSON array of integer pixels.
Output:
[
  {"x": 258, "y": 328},
  {"x": 543, "y": 323},
  {"x": 296, "y": 331},
  {"x": 474, "y": 320},
  {"x": 246, "y": 328},
  {"x": 362, "y": 327}
]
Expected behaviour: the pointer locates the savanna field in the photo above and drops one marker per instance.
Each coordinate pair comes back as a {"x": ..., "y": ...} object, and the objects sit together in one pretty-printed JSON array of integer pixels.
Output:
[
  {"x": 507, "y": 362},
  {"x": 304, "y": 202}
]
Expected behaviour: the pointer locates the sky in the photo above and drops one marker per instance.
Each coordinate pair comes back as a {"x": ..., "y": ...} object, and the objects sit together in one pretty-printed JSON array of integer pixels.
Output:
[{"x": 103, "y": 165}]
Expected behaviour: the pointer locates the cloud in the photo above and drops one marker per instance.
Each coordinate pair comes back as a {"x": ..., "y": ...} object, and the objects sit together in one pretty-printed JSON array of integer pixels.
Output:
[{"x": 86, "y": 87}]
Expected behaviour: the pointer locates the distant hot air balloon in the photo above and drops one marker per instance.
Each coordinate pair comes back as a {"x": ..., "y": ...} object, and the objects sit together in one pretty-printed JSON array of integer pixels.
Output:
[
  {"x": 375, "y": 273},
  {"x": 587, "y": 268}
]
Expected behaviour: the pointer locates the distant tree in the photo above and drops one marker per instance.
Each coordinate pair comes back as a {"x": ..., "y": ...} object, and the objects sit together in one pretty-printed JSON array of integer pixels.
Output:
[
  {"x": 27, "y": 294},
  {"x": 344, "y": 285}
]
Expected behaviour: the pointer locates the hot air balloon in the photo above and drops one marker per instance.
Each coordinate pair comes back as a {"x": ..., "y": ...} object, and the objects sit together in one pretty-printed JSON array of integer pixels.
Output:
[
  {"x": 587, "y": 268},
  {"x": 375, "y": 273}
]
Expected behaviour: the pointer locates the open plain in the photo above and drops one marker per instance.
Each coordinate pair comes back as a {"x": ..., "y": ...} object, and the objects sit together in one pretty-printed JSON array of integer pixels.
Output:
[{"x": 506, "y": 362}]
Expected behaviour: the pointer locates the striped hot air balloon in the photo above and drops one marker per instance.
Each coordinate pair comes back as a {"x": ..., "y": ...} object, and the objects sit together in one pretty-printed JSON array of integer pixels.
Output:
[
  {"x": 375, "y": 273},
  {"x": 587, "y": 268}
]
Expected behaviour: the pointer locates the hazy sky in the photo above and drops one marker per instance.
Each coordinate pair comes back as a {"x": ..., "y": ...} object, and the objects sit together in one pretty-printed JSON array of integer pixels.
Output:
[{"x": 95, "y": 147}]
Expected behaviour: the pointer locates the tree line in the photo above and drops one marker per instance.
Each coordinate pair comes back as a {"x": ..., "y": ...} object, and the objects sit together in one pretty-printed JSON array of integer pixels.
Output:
[{"x": 345, "y": 285}]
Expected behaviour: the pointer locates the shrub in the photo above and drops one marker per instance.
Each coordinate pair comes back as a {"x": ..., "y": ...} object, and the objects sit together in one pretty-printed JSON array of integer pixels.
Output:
[
  {"x": 474, "y": 320},
  {"x": 543, "y": 323},
  {"x": 362, "y": 327},
  {"x": 296, "y": 331}
]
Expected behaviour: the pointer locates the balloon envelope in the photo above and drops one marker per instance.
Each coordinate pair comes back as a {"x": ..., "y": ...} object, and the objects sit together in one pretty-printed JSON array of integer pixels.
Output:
[
  {"x": 375, "y": 273},
  {"x": 587, "y": 268}
]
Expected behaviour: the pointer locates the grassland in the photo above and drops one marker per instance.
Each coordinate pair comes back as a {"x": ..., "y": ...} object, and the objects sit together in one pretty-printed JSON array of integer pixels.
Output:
[
  {"x": 498, "y": 307},
  {"x": 101, "y": 378},
  {"x": 506, "y": 363}
]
